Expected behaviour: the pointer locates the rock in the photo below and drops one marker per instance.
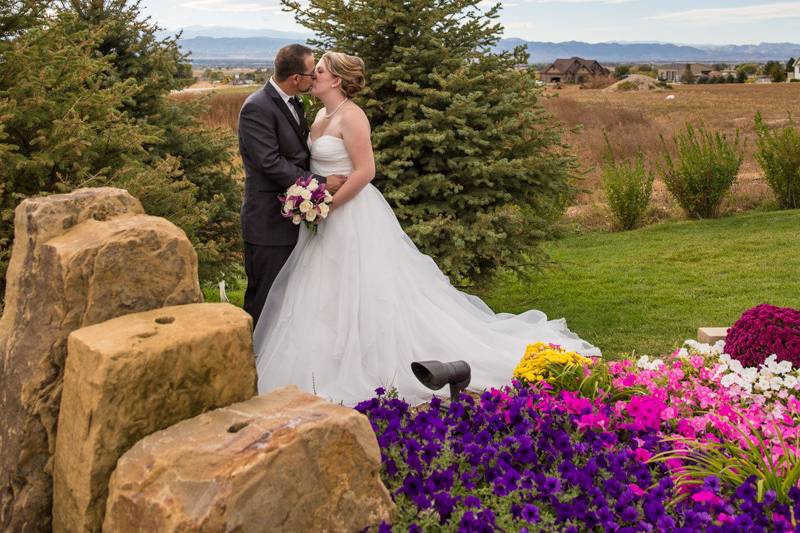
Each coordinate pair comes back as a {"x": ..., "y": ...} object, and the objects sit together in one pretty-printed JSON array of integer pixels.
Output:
[
  {"x": 136, "y": 374},
  {"x": 285, "y": 461},
  {"x": 711, "y": 335},
  {"x": 78, "y": 259}
]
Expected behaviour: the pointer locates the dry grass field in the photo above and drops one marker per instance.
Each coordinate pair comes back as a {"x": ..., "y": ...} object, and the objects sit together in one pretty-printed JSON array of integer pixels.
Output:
[
  {"x": 632, "y": 120},
  {"x": 638, "y": 120}
]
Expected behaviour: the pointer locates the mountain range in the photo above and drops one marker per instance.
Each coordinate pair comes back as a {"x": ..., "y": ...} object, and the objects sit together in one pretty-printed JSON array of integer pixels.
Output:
[{"x": 223, "y": 45}]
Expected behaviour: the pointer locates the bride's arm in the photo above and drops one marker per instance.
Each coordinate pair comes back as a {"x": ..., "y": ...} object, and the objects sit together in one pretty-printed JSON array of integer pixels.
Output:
[{"x": 356, "y": 136}]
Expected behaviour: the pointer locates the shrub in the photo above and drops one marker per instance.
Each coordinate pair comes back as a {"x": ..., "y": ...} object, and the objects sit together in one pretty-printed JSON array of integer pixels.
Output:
[
  {"x": 779, "y": 156},
  {"x": 705, "y": 168},
  {"x": 762, "y": 331},
  {"x": 627, "y": 86},
  {"x": 628, "y": 186}
]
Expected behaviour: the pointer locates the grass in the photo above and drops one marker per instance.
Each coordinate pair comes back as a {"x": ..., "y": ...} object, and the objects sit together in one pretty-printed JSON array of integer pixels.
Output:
[{"x": 650, "y": 289}]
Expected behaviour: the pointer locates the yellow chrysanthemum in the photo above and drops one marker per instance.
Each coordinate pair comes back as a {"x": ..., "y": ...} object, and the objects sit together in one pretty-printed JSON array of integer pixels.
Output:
[{"x": 540, "y": 357}]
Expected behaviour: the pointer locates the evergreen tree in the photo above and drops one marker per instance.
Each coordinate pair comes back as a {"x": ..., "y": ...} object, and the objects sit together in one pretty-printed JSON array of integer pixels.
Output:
[
  {"x": 16, "y": 16},
  {"x": 204, "y": 156},
  {"x": 775, "y": 70},
  {"x": 473, "y": 166},
  {"x": 84, "y": 102},
  {"x": 63, "y": 125},
  {"x": 109, "y": 65}
]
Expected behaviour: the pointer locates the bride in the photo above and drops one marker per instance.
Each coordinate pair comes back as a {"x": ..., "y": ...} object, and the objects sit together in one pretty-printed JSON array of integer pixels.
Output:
[{"x": 356, "y": 303}]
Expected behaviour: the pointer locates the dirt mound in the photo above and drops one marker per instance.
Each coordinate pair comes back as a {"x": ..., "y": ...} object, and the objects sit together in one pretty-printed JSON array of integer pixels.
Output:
[{"x": 634, "y": 82}]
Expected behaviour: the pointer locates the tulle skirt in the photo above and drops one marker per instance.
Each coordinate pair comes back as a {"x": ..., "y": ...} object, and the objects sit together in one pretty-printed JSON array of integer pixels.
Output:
[{"x": 357, "y": 303}]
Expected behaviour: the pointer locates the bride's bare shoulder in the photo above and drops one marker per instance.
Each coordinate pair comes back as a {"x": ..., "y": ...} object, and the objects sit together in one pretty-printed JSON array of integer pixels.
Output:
[{"x": 353, "y": 114}]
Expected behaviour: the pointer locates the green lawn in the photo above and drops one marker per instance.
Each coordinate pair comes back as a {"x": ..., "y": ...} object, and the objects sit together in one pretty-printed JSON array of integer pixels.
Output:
[{"x": 648, "y": 290}]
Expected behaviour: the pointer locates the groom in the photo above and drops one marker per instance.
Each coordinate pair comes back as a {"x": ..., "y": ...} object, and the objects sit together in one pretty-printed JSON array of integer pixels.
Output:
[{"x": 273, "y": 133}]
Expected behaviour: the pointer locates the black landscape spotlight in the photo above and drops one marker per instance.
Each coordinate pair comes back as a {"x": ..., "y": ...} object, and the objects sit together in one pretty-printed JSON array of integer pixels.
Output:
[{"x": 436, "y": 374}]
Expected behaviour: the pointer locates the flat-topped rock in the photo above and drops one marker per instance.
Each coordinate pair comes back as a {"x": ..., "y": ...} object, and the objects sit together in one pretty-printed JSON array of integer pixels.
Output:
[
  {"x": 285, "y": 461},
  {"x": 136, "y": 374},
  {"x": 711, "y": 335},
  {"x": 77, "y": 259}
]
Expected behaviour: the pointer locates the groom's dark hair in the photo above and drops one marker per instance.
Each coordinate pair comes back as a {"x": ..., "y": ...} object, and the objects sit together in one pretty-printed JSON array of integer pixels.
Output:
[{"x": 291, "y": 59}]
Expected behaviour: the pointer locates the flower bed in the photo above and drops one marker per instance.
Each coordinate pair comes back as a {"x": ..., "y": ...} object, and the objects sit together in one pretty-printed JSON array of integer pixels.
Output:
[{"x": 693, "y": 441}]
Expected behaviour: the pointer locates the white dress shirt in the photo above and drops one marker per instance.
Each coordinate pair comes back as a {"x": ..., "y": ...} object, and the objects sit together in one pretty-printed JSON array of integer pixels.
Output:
[{"x": 286, "y": 99}]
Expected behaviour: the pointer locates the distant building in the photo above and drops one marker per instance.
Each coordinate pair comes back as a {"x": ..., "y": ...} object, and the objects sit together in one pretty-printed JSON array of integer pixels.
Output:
[
  {"x": 573, "y": 70},
  {"x": 797, "y": 69},
  {"x": 723, "y": 73},
  {"x": 676, "y": 71}
]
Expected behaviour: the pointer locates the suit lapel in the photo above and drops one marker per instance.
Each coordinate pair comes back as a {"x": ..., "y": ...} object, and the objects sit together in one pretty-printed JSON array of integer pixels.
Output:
[{"x": 283, "y": 106}]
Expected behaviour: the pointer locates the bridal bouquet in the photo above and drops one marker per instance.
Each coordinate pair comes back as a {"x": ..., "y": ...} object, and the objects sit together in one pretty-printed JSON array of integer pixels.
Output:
[{"x": 307, "y": 202}]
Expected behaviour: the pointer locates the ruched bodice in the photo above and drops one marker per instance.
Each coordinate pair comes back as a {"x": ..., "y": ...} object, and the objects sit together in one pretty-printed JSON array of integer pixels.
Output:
[{"x": 329, "y": 156}]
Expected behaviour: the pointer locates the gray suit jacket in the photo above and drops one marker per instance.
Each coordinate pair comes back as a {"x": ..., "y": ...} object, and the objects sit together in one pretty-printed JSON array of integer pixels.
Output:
[{"x": 275, "y": 153}]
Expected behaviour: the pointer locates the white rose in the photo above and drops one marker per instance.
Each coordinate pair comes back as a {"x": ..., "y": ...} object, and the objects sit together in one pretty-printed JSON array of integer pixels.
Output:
[
  {"x": 313, "y": 185},
  {"x": 305, "y": 194},
  {"x": 288, "y": 206},
  {"x": 323, "y": 210},
  {"x": 328, "y": 196},
  {"x": 311, "y": 215},
  {"x": 297, "y": 219},
  {"x": 294, "y": 190},
  {"x": 306, "y": 206}
]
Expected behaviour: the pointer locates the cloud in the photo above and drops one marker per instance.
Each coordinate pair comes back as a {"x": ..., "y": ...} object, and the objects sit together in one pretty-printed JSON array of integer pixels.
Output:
[
  {"x": 579, "y": 1},
  {"x": 724, "y": 15},
  {"x": 226, "y": 6}
]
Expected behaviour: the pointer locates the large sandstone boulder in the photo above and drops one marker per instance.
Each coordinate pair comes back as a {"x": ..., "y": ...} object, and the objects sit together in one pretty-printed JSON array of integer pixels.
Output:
[
  {"x": 286, "y": 461},
  {"x": 136, "y": 374},
  {"x": 78, "y": 259}
]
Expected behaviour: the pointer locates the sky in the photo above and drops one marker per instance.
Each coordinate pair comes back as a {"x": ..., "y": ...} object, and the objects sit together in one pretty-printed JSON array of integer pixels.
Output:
[{"x": 673, "y": 21}]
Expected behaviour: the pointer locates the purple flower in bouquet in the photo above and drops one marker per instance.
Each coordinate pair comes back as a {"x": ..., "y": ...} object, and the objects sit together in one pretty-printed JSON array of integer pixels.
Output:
[
  {"x": 762, "y": 331},
  {"x": 306, "y": 202}
]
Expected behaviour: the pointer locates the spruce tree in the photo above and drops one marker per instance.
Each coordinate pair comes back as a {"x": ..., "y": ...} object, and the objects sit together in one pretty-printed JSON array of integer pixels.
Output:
[
  {"x": 204, "y": 156},
  {"x": 84, "y": 101},
  {"x": 472, "y": 165},
  {"x": 63, "y": 125}
]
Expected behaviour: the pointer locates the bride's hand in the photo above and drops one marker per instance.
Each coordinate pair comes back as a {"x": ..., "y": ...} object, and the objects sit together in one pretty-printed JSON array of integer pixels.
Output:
[{"x": 333, "y": 182}]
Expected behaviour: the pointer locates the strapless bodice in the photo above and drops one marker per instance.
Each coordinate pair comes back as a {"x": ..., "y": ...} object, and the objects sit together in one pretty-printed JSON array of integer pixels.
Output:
[{"x": 329, "y": 156}]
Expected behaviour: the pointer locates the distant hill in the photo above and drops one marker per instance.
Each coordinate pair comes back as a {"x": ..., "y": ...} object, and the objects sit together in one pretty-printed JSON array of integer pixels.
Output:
[
  {"x": 541, "y": 52},
  {"x": 232, "y": 45}
]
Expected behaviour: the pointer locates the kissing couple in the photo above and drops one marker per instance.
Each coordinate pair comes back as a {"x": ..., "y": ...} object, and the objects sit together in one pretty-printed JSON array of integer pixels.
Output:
[{"x": 348, "y": 308}]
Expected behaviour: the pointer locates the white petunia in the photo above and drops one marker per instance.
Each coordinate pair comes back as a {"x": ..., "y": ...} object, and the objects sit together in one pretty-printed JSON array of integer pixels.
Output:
[{"x": 728, "y": 380}]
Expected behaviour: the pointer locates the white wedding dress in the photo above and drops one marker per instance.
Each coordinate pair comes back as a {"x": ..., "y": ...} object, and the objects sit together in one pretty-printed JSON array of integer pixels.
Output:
[{"x": 356, "y": 303}]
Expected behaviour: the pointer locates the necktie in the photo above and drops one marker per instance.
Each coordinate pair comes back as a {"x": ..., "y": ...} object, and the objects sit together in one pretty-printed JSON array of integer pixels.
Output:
[{"x": 301, "y": 115}]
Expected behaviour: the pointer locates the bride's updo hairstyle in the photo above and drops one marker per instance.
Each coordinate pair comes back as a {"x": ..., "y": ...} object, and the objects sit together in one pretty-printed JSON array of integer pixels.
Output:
[{"x": 350, "y": 69}]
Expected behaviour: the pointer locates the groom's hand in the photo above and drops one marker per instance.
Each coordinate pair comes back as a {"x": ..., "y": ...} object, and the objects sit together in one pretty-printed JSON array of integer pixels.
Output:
[{"x": 335, "y": 181}]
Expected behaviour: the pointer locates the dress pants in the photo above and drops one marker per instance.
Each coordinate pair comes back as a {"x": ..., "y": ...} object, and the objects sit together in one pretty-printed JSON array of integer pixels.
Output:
[{"x": 262, "y": 265}]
